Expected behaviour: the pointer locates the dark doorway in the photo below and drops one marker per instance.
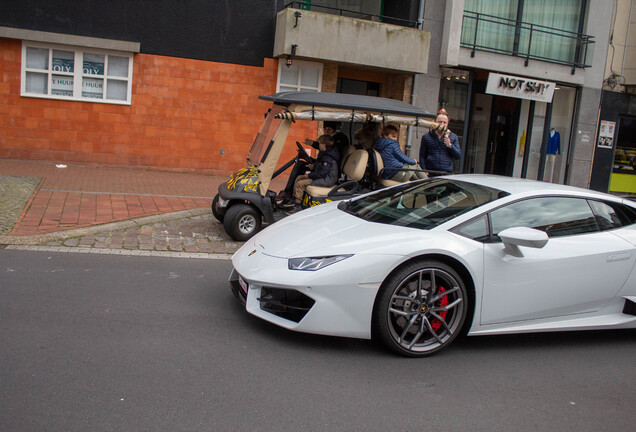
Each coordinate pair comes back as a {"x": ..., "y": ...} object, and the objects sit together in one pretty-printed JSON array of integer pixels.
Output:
[
  {"x": 502, "y": 136},
  {"x": 358, "y": 87}
]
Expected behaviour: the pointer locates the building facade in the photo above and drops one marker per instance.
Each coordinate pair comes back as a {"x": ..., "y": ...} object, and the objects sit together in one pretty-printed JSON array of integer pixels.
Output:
[
  {"x": 615, "y": 157},
  {"x": 175, "y": 85},
  {"x": 522, "y": 82}
]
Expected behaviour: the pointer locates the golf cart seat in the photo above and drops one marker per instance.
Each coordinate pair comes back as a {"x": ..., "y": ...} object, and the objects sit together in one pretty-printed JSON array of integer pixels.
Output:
[
  {"x": 354, "y": 169},
  {"x": 348, "y": 151},
  {"x": 378, "y": 166}
]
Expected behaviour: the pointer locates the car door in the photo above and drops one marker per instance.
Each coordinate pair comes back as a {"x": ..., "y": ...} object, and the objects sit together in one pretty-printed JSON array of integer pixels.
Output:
[{"x": 577, "y": 271}]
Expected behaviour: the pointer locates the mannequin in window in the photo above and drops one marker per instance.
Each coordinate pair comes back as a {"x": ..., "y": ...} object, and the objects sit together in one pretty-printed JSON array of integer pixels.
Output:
[
  {"x": 554, "y": 143},
  {"x": 554, "y": 148}
]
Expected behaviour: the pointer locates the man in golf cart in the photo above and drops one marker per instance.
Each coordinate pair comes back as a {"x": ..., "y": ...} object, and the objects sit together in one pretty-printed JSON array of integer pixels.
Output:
[{"x": 245, "y": 201}]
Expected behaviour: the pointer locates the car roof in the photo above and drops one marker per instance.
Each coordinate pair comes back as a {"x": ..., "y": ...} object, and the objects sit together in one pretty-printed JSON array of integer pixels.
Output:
[
  {"x": 517, "y": 186},
  {"x": 347, "y": 101}
]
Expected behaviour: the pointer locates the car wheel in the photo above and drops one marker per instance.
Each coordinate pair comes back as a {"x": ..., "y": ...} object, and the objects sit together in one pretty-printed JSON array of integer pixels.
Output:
[
  {"x": 215, "y": 209},
  {"x": 242, "y": 221},
  {"x": 421, "y": 308}
]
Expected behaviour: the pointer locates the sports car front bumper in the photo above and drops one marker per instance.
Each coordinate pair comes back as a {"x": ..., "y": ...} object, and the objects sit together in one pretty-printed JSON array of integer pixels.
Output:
[{"x": 335, "y": 300}]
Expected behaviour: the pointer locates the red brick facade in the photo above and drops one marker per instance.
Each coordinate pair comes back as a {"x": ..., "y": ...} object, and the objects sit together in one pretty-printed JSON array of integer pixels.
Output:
[{"x": 186, "y": 115}]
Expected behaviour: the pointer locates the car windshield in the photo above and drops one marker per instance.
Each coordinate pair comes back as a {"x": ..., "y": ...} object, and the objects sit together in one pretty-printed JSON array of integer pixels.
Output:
[{"x": 423, "y": 204}]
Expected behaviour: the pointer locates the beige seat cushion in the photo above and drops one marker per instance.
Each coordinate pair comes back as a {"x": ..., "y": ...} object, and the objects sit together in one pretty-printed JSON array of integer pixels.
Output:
[
  {"x": 376, "y": 176},
  {"x": 345, "y": 155},
  {"x": 316, "y": 191},
  {"x": 354, "y": 168},
  {"x": 356, "y": 165},
  {"x": 388, "y": 182}
]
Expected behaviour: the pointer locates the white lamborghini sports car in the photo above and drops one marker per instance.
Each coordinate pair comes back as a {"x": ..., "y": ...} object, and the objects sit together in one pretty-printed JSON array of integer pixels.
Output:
[{"x": 415, "y": 264}]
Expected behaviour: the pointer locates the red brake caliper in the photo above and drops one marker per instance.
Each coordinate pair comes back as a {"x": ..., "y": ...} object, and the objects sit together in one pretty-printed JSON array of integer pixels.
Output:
[{"x": 435, "y": 323}]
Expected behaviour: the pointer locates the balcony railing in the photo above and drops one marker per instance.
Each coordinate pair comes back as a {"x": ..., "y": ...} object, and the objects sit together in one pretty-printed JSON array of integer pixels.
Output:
[
  {"x": 351, "y": 14},
  {"x": 482, "y": 32}
]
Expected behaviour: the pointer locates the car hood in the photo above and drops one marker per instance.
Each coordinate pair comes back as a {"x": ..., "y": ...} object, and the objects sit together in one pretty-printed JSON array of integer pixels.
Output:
[{"x": 326, "y": 230}]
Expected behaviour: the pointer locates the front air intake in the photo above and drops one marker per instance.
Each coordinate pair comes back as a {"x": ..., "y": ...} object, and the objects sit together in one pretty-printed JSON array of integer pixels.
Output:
[
  {"x": 629, "y": 308},
  {"x": 288, "y": 304}
]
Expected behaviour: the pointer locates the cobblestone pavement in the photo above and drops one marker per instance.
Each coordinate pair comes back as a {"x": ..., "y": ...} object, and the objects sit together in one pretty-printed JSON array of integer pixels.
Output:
[
  {"x": 186, "y": 233},
  {"x": 111, "y": 210},
  {"x": 194, "y": 234},
  {"x": 15, "y": 193}
]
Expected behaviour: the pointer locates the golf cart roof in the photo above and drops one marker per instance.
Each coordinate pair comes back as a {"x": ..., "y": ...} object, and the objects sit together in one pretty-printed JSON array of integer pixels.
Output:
[{"x": 347, "y": 102}]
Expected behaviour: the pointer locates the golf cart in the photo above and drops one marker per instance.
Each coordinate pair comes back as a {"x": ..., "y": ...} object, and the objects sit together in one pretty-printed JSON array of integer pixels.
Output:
[{"x": 245, "y": 202}]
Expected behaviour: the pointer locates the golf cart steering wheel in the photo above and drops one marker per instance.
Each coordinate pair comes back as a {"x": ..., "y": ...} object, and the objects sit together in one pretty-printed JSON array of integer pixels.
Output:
[
  {"x": 302, "y": 153},
  {"x": 300, "y": 147}
]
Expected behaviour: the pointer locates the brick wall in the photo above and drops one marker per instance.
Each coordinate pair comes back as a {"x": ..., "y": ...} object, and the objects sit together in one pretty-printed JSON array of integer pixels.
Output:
[{"x": 186, "y": 115}]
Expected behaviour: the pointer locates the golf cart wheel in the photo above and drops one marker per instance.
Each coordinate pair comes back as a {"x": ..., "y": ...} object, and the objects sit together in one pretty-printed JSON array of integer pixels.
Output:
[
  {"x": 420, "y": 308},
  {"x": 215, "y": 209},
  {"x": 241, "y": 222}
]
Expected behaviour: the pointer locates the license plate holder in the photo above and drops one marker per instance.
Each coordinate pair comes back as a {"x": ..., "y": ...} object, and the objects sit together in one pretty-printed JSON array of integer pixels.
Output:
[{"x": 243, "y": 284}]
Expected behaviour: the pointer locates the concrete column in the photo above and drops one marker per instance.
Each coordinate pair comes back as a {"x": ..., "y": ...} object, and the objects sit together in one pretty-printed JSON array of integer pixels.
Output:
[
  {"x": 584, "y": 134},
  {"x": 426, "y": 86}
]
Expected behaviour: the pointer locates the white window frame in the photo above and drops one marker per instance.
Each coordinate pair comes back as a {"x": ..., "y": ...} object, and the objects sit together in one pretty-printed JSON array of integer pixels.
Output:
[
  {"x": 300, "y": 64},
  {"x": 78, "y": 74}
]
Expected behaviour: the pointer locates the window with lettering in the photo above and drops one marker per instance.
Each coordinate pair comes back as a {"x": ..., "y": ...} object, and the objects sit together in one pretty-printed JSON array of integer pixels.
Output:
[{"x": 77, "y": 74}]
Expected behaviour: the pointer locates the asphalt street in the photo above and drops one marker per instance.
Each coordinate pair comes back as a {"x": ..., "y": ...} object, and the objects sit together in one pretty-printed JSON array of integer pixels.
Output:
[{"x": 128, "y": 343}]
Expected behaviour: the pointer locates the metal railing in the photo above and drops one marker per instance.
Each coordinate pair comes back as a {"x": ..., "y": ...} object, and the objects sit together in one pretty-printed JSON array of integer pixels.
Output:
[
  {"x": 351, "y": 14},
  {"x": 482, "y": 32}
]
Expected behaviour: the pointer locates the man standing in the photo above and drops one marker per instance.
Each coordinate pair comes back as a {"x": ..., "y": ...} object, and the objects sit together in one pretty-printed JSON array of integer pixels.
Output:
[
  {"x": 340, "y": 139},
  {"x": 438, "y": 149}
]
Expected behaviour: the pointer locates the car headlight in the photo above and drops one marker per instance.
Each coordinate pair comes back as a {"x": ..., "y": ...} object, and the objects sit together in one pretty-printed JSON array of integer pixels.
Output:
[{"x": 314, "y": 263}]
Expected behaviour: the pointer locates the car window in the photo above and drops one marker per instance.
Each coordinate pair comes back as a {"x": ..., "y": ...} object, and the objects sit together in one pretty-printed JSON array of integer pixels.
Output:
[
  {"x": 611, "y": 215},
  {"x": 422, "y": 205},
  {"x": 606, "y": 216},
  {"x": 557, "y": 216},
  {"x": 476, "y": 229}
]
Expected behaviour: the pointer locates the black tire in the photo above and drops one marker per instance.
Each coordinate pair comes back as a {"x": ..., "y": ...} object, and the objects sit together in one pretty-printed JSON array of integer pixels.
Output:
[
  {"x": 215, "y": 209},
  {"x": 412, "y": 316},
  {"x": 241, "y": 222}
]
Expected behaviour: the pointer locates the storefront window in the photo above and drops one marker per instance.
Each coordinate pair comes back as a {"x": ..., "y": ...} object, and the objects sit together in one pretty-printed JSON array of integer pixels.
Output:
[
  {"x": 624, "y": 172},
  {"x": 529, "y": 142},
  {"x": 520, "y": 134},
  {"x": 555, "y": 164},
  {"x": 561, "y": 123}
]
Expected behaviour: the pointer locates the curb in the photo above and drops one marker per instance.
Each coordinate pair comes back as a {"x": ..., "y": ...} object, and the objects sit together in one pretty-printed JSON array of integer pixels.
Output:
[
  {"x": 96, "y": 229},
  {"x": 125, "y": 252}
]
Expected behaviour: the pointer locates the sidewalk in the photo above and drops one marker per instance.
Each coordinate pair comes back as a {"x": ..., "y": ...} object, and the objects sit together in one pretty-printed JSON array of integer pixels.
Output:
[{"x": 98, "y": 209}]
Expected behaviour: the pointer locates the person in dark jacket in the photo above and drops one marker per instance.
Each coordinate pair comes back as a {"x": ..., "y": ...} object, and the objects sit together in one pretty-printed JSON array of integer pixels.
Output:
[
  {"x": 439, "y": 148},
  {"x": 392, "y": 157},
  {"x": 324, "y": 172},
  {"x": 340, "y": 140}
]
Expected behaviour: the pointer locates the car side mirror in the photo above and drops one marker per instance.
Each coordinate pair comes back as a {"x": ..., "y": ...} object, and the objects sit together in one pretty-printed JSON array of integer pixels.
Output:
[{"x": 514, "y": 237}]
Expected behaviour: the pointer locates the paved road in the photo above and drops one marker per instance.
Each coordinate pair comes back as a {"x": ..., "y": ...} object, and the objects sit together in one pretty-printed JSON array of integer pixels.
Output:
[{"x": 127, "y": 343}]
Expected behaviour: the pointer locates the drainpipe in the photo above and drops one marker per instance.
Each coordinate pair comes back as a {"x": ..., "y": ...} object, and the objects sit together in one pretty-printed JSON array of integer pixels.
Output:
[
  {"x": 420, "y": 25},
  {"x": 420, "y": 14}
]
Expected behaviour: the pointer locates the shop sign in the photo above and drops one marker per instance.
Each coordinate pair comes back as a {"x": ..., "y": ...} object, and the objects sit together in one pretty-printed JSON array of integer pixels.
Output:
[{"x": 520, "y": 88}]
